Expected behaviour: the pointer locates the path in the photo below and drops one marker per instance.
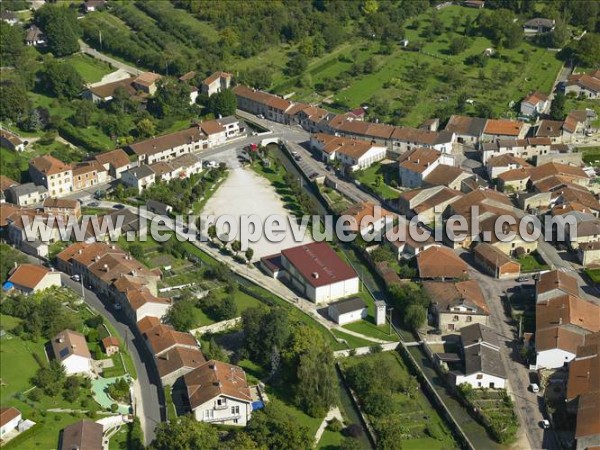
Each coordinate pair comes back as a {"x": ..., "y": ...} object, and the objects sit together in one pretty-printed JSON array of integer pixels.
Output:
[
  {"x": 333, "y": 413},
  {"x": 102, "y": 57}
]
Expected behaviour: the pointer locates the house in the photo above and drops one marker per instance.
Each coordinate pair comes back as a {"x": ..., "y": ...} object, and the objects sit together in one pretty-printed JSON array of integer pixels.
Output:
[
  {"x": 169, "y": 146},
  {"x": 408, "y": 241},
  {"x": 147, "y": 82},
  {"x": 449, "y": 176},
  {"x": 52, "y": 173},
  {"x": 587, "y": 429},
  {"x": 27, "y": 194},
  {"x": 34, "y": 36},
  {"x": 555, "y": 283},
  {"x": 141, "y": 177},
  {"x": 584, "y": 370},
  {"x": 404, "y": 139},
  {"x": 468, "y": 130},
  {"x": 176, "y": 362},
  {"x": 534, "y": 104},
  {"x": 539, "y": 25},
  {"x": 318, "y": 273},
  {"x": 504, "y": 129},
  {"x": 157, "y": 207},
  {"x": 497, "y": 165},
  {"x": 528, "y": 148},
  {"x": 311, "y": 117},
  {"x": 551, "y": 129},
  {"x": 562, "y": 323},
  {"x": 162, "y": 338},
  {"x": 218, "y": 392},
  {"x": 355, "y": 154},
  {"x": 495, "y": 262},
  {"x": 138, "y": 301},
  {"x": 483, "y": 366},
  {"x": 416, "y": 164},
  {"x": 258, "y": 102},
  {"x": 588, "y": 231},
  {"x": 347, "y": 311},
  {"x": 215, "y": 83},
  {"x": 368, "y": 219},
  {"x": 115, "y": 162},
  {"x": 111, "y": 345},
  {"x": 94, "y": 5},
  {"x": 11, "y": 141},
  {"x": 430, "y": 125},
  {"x": 589, "y": 253},
  {"x": 440, "y": 263},
  {"x": 10, "y": 418},
  {"x": 271, "y": 265},
  {"x": 70, "y": 348},
  {"x": 88, "y": 174},
  {"x": 456, "y": 305},
  {"x": 30, "y": 278},
  {"x": 104, "y": 92},
  {"x": 5, "y": 184},
  {"x": 427, "y": 202},
  {"x": 513, "y": 180},
  {"x": 62, "y": 207},
  {"x": 83, "y": 435},
  {"x": 218, "y": 131},
  {"x": 584, "y": 85}
]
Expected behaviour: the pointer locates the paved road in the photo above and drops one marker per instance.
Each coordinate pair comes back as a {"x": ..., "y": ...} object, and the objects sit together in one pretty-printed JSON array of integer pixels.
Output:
[
  {"x": 102, "y": 57},
  {"x": 527, "y": 404},
  {"x": 150, "y": 402}
]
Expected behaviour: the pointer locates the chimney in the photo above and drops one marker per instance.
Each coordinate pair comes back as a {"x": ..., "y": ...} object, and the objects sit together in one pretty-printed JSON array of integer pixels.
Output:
[
  {"x": 105, "y": 267},
  {"x": 315, "y": 275},
  {"x": 60, "y": 340},
  {"x": 73, "y": 346}
]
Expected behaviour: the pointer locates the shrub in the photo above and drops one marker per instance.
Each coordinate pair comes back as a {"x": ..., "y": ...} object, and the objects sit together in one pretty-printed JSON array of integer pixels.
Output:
[
  {"x": 334, "y": 425},
  {"x": 114, "y": 407},
  {"x": 353, "y": 430}
]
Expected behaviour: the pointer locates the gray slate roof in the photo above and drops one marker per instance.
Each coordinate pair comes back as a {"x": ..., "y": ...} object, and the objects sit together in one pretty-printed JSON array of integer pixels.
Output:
[
  {"x": 348, "y": 305},
  {"x": 481, "y": 351}
]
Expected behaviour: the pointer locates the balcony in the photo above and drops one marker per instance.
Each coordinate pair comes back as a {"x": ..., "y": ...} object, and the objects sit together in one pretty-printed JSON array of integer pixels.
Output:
[
  {"x": 222, "y": 419},
  {"x": 220, "y": 407}
]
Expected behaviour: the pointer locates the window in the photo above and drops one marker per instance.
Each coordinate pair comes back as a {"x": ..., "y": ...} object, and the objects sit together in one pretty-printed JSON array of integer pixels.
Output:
[
  {"x": 455, "y": 318},
  {"x": 479, "y": 377},
  {"x": 235, "y": 410},
  {"x": 469, "y": 319}
]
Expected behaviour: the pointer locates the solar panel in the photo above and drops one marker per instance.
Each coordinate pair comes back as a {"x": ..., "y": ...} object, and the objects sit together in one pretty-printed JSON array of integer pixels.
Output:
[{"x": 64, "y": 352}]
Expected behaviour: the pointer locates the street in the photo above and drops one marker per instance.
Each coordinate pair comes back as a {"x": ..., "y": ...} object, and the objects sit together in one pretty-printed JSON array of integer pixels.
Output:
[{"x": 150, "y": 402}]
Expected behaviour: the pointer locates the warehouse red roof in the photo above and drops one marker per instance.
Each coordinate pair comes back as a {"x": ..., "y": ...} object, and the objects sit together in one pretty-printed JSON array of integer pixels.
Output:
[{"x": 318, "y": 264}]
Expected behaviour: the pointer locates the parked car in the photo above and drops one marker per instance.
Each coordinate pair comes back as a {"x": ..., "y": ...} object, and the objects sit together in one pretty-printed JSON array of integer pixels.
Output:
[
  {"x": 76, "y": 278},
  {"x": 211, "y": 165},
  {"x": 118, "y": 206},
  {"x": 523, "y": 279},
  {"x": 533, "y": 387},
  {"x": 260, "y": 116},
  {"x": 93, "y": 204},
  {"x": 545, "y": 424}
]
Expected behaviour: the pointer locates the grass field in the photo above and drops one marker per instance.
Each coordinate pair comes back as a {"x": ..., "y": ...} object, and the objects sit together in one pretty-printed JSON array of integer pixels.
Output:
[
  {"x": 591, "y": 155},
  {"x": 353, "y": 341},
  {"x": 594, "y": 275},
  {"x": 531, "y": 262},
  {"x": 90, "y": 69},
  {"x": 16, "y": 374},
  {"x": 378, "y": 177}
]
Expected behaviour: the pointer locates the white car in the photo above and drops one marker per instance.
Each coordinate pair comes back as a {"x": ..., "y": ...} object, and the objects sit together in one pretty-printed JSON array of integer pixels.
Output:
[
  {"x": 534, "y": 387},
  {"x": 545, "y": 424},
  {"x": 76, "y": 278},
  {"x": 211, "y": 164}
]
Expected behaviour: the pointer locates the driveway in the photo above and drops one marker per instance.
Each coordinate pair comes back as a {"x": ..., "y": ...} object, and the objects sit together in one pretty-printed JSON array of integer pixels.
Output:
[
  {"x": 150, "y": 406},
  {"x": 527, "y": 404}
]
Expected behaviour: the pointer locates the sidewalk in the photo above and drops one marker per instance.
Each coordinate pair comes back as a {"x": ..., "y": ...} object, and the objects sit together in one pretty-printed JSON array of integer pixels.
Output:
[{"x": 333, "y": 413}]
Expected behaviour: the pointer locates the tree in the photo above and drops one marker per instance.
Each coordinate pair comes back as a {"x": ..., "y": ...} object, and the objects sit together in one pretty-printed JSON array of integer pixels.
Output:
[
  {"x": 259, "y": 78},
  {"x": 212, "y": 233},
  {"x": 215, "y": 351},
  {"x": 415, "y": 316},
  {"x": 171, "y": 100},
  {"x": 227, "y": 308},
  {"x": 297, "y": 64},
  {"x": 9, "y": 257},
  {"x": 50, "y": 378},
  {"x": 458, "y": 45},
  {"x": 72, "y": 389},
  {"x": 62, "y": 80},
  {"x": 61, "y": 29},
  {"x": 236, "y": 246},
  {"x": 223, "y": 103},
  {"x": 84, "y": 112},
  {"x": 12, "y": 44},
  {"x": 184, "y": 433},
  {"x": 557, "y": 107},
  {"x": 586, "y": 51},
  {"x": 15, "y": 104},
  {"x": 146, "y": 127},
  {"x": 264, "y": 331},
  {"x": 241, "y": 440},
  {"x": 181, "y": 315},
  {"x": 249, "y": 254},
  {"x": 274, "y": 428},
  {"x": 560, "y": 35}
]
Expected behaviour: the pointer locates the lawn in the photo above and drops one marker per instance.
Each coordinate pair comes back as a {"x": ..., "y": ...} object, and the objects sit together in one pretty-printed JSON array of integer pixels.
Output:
[
  {"x": 378, "y": 178},
  {"x": 368, "y": 328},
  {"x": 353, "y": 341},
  {"x": 242, "y": 300},
  {"x": 591, "y": 155},
  {"x": 23, "y": 365},
  {"x": 532, "y": 262},
  {"x": 90, "y": 69}
]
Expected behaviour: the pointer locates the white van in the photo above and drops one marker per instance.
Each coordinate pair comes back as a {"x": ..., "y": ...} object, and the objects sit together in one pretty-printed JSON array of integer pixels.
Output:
[{"x": 534, "y": 388}]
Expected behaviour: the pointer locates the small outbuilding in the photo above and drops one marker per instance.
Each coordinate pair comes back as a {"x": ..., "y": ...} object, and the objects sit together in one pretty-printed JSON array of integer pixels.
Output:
[
  {"x": 347, "y": 311},
  {"x": 111, "y": 345}
]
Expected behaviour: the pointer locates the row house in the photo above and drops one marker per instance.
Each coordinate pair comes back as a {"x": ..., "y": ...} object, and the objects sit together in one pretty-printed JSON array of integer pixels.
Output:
[
  {"x": 528, "y": 148},
  {"x": 215, "y": 83},
  {"x": 497, "y": 165},
  {"x": 28, "y": 194},
  {"x": 427, "y": 202},
  {"x": 62, "y": 207},
  {"x": 169, "y": 146},
  {"x": 584, "y": 85},
  {"x": 144, "y": 176},
  {"x": 88, "y": 174},
  {"x": 352, "y": 153},
  {"x": 115, "y": 162},
  {"x": 53, "y": 174},
  {"x": 504, "y": 129},
  {"x": 257, "y": 102},
  {"x": 415, "y": 165}
]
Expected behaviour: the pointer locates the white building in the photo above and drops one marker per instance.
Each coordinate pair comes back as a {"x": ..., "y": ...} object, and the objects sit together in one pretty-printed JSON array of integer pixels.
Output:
[
  {"x": 416, "y": 164},
  {"x": 70, "y": 348},
  {"x": 319, "y": 273},
  {"x": 10, "y": 418},
  {"x": 215, "y": 83},
  {"x": 52, "y": 173},
  {"x": 141, "y": 177},
  {"x": 218, "y": 393},
  {"x": 483, "y": 365},
  {"x": 27, "y": 194},
  {"x": 30, "y": 278},
  {"x": 534, "y": 104},
  {"x": 347, "y": 311},
  {"x": 356, "y": 154}
]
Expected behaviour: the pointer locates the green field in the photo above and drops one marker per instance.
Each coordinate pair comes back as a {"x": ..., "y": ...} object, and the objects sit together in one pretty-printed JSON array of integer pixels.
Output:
[
  {"x": 90, "y": 69},
  {"x": 378, "y": 178},
  {"x": 531, "y": 262},
  {"x": 594, "y": 275}
]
